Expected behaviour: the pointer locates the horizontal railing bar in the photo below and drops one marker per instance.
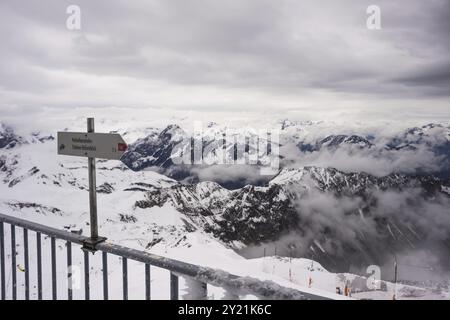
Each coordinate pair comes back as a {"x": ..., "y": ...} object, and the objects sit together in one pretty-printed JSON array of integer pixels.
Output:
[
  {"x": 176, "y": 266},
  {"x": 262, "y": 289},
  {"x": 259, "y": 288},
  {"x": 49, "y": 231}
]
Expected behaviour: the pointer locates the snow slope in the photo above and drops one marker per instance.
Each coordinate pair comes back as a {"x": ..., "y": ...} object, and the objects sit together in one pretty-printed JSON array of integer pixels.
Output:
[
  {"x": 38, "y": 185},
  {"x": 42, "y": 187}
]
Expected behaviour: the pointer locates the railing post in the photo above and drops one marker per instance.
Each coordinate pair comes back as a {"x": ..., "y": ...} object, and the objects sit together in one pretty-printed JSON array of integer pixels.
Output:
[
  {"x": 90, "y": 243},
  {"x": 69, "y": 271},
  {"x": 125, "y": 277},
  {"x": 87, "y": 295},
  {"x": 54, "y": 281},
  {"x": 147, "y": 282},
  {"x": 105, "y": 275},
  {"x": 173, "y": 286},
  {"x": 13, "y": 262},
  {"x": 92, "y": 187},
  {"x": 27, "y": 277},
  {"x": 39, "y": 265}
]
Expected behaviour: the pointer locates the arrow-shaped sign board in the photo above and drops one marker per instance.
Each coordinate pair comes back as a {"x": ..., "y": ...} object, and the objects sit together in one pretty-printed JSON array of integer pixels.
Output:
[{"x": 91, "y": 145}]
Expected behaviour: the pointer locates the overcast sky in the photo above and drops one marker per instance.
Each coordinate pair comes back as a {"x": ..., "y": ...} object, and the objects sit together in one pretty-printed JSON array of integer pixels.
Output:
[{"x": 281, "y": 58}]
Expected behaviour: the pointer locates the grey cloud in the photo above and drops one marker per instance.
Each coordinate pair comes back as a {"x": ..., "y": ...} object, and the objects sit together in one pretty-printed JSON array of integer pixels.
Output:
[
  {"x": 231, "y": 176},
  {"x": 282, "y": 49},
  {"x": 435, "y": 77}
]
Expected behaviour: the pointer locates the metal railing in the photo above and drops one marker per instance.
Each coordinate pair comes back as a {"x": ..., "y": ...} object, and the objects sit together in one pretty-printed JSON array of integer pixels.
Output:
[{"x": 197, "y": 276}]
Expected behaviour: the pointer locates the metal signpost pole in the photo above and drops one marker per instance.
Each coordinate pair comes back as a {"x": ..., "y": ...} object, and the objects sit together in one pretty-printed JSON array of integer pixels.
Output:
[
  {"x": 92, "y": 188},
  {"x": 92, "y": 145}
]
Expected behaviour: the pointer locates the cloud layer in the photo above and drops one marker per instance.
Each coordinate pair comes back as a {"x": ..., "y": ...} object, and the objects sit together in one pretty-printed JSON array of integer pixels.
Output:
[{"x": 252, "y": 55}]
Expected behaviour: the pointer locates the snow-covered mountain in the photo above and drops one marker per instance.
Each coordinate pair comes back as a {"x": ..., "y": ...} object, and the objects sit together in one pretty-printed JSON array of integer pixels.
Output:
[
  {"x": 338, "y": 218},
  {"x": 7, "y": 137},
  {"x": 255, "y": 215},
  {"x": 418, "y": 150},
  {"x": 174, "y": 152},
  {"x": 336, "y": 141},
  {"x": 154, "y": 150}
]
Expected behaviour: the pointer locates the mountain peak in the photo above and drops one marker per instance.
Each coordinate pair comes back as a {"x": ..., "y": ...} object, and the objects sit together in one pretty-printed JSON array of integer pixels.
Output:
[
  {"x": 8, "y": 138},
  {"x": 336, "y": 140}
]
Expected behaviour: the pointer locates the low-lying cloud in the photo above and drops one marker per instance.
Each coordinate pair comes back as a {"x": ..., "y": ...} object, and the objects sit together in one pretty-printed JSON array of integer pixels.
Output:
[
  {"x": 410, "y": 151},
  {"x": 351, "y": 233}
]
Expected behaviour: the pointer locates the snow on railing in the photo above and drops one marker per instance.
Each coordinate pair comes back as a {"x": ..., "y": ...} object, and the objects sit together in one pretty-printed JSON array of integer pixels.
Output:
[{"x": 196, "y": 277}]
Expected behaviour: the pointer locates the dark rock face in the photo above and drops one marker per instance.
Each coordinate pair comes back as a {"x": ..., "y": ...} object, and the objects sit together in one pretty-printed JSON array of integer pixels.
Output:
[
  {"x": 334, "y": 141},
  {"x": 127, "y": 218},
  {"x": 249, "y": 215},
  {"x": 38, "y": 208},
  {"x": 361, "y": 183},
  {"x": 8, "y": 139},
  {"x": 30, "y": 173},
  {"x": 105, "y": 188},
  {"x": 36, "y": 136},
  {"x": 256, "y": 215},
  {"x": 154, "y": 150}
]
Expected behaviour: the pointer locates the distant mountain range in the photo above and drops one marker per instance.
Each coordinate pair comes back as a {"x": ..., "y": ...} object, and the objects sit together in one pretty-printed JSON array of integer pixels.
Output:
[
  {"x": 339, "y": 218},
  {"x": 157, "y": 150}
]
